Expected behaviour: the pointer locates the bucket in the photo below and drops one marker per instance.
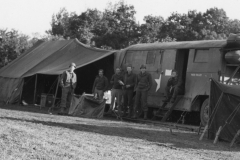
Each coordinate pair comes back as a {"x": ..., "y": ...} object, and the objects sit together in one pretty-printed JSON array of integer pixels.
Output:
[
  {"x": 46, "y": 100},
  {"x": 43, "y": 100}
]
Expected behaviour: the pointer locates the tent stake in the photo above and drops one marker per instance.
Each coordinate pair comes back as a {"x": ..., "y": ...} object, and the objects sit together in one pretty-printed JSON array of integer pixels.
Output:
[
  {"x": 35, "y": 90},
  {"x": 56, "y": 92},
  {"x": 235, "y": 137},
  {"x": 217, "y": 135}
]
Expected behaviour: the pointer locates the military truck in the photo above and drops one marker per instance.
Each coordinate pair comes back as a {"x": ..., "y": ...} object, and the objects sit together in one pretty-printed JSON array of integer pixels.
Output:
[{"x": 196, "y": 62}]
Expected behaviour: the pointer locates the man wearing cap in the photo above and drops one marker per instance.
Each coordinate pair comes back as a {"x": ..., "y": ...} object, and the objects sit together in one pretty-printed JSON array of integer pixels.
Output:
[
  {"x": 68, "y": 82},
  {"x": 129, "y": 80},
  {"x": 100, "y": 85},
  {"x": 142, "y": 86}
]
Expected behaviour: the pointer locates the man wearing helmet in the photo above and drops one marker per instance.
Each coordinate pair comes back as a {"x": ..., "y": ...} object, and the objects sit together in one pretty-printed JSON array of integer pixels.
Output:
[
  {"x": 68, "y": 82},
  {"x": 142, "y": 86}
]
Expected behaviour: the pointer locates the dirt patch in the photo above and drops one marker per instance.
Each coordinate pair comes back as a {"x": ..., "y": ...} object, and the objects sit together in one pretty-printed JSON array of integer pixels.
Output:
[{"x": 32, "y": 135}]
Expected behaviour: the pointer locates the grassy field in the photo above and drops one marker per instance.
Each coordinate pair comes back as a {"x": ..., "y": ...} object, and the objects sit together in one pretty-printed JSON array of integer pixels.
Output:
[{"x": 30, "y": 133}]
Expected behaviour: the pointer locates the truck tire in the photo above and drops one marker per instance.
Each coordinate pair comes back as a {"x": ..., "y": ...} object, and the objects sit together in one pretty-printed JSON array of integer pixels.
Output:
[{"x": 204, "y": 113}]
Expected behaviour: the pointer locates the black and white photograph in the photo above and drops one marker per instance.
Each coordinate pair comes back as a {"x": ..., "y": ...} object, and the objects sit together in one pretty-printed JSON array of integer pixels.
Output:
[{"x": 119, "y": 80}]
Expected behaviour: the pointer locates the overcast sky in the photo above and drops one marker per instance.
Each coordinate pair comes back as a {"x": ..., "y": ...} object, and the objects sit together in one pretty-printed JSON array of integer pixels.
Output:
[{"x": 34, "y": 16}]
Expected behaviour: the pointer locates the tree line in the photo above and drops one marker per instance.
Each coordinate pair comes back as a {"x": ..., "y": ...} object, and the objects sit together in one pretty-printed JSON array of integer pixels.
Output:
[
  {"x": 116, "y": 28},
  {"x": 13, "y": 44}
]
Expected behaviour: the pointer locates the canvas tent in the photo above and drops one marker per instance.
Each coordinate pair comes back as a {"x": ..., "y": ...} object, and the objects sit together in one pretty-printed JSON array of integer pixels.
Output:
[
  {"x": 49, "y": 58},
  {"x": 224, "y": 110}
]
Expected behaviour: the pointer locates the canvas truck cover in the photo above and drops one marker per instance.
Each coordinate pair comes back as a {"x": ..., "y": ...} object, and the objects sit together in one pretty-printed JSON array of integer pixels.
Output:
[
  {"x": 119, "y": 58},
  {"x": 224, "y": 110},
  {"x": 52, "y": 57},
  {"x": 180, "y": 45}
]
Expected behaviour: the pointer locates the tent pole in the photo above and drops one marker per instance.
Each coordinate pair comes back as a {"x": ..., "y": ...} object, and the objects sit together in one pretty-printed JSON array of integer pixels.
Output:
[
  {"x": 35, "y": 90},
  {"x": 204, "y": 131},
  {"x": 56, "y": 91},
  {"x": 20, "y": 98},
  {"x": 235, "y": 137},
  {"x": 209, "y": 102},
  {"x": 215, "y": 109},
  {"x": 217, "y": 135}
]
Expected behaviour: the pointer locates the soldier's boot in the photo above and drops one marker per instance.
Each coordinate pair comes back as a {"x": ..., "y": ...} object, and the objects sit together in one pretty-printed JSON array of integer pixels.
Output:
[
  {"x": 129, "y": 112},
  {"x": 123, "y": 111},
  {"x": 134, "y": 114},
  {"x": 109, "y": 111},
  {"x": 145, "y": 116},
  {"x": 61, "y": 112},
  {"x": 120, "y": 109},
  {"x": 124, "y": 114}
]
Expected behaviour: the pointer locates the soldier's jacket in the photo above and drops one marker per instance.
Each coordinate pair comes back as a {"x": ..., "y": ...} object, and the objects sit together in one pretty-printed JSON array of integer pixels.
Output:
[
  {"x": 68, "y": 79},
  {"x": 129, "y": 79},
  {"x": 115, "y": 81},
  {"x": 143, "y": 82},
  {"x": 174, "y": 81},
  {"x": 100, "y": 83}
]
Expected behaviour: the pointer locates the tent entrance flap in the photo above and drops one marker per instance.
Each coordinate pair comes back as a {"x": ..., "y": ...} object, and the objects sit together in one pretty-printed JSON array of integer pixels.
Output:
[
  {"x": 16, "y": 93},
  {"x": 9, "y": 88}
]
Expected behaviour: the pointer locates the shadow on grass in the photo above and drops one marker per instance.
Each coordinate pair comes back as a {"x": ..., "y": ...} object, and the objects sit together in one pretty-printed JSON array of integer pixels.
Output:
[
  {"x": 45, "y": 110},
  {"x": 28, "y": 108},
  {"x": 155, "y": 137}
]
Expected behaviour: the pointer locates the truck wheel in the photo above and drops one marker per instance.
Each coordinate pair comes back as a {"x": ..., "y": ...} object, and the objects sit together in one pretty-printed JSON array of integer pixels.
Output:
[{"x": 204, "y": 113}]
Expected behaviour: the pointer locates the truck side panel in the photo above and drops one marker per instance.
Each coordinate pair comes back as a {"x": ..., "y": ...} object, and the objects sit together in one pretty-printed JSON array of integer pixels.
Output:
[{"x": 200, "y": 69}]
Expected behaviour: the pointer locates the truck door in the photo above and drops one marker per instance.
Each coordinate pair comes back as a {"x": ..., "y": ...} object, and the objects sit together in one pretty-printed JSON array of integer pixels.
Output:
[
  {"x": 168, "y": 63},
  {"x": 164, "y": 61}
]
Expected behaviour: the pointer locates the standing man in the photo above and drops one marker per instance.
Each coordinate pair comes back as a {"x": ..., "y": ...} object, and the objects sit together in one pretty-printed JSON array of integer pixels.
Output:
[
  {"x": 100, "y": 85},
  {"x": 173, "y": 88},
  {"x": 142, "y": 86},
  {"x": 129, "y": 80},
  {"x": 68, "y": 82},
  {"x": 117, "y": 82}
]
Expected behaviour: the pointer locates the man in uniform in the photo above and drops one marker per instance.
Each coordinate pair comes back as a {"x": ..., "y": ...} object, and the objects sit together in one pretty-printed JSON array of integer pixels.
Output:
[
  {"x": 117, "y": 82},
  {"x": 68, "y": 82},
  {"x": 129, "y": 80},
  {"x": 142, "y": 86},
  {"x": 173, "y": 88},
  {"x": 100, "y": 85}
]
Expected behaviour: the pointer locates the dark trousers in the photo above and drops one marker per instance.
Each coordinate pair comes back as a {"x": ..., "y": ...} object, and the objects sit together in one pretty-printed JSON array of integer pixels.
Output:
[
  {"x": 99, "y": 93},
  {"x": 127, "y": 97},
  {"x": 172, "y": 92},
  {"x": 66, "y": 98},
  {"x": 141, "y": 96}
]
